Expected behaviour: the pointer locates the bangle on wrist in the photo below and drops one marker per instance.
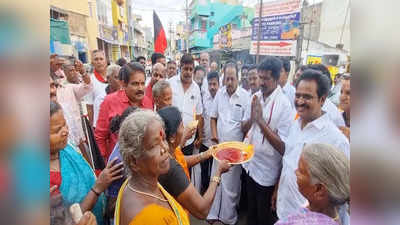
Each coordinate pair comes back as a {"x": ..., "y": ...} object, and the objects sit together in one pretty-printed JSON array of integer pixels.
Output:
[
  {"x": 201, "y": 156},
  {"x": 95, "y": 192},
  {"x": 216, "y": 179}
]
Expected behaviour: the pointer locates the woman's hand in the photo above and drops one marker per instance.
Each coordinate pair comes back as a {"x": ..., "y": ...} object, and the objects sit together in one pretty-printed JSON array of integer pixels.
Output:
[
  {"x": 87, "y": 219},
  {"x": 223, "y": 166},
  {"x": 210, "y": 151},
  {"x": 108, "y": 175},
  {"x": 188, "y": 133}
]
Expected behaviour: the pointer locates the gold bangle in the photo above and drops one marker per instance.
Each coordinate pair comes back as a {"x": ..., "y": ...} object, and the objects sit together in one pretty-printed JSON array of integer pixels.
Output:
[
  {"x": 201, "y": 156},
  {"x": 216, "y": 179}
]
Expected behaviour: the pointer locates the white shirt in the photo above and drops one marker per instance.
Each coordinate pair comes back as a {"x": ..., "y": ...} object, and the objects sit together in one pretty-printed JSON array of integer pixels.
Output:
[
  {"x": 266, "y": 164},
  {"x": 229, "y": 111},
  {"x": 187, "y": 101},
  {"x": 207, "y": 105},
  {"x": 335, "y": 98},
  {"x": 96, "y": 96},
  {"x": 147, "y": 81},
  {"x": 321, "y": 130},
  {"x": 204, "y": 87},
  {"x": 290, "y": 92},
  {"x": 333, "y": 112}
]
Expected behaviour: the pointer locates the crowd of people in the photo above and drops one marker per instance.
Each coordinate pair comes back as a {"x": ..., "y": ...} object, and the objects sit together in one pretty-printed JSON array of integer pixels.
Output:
[{"x": 131, "y": 146}]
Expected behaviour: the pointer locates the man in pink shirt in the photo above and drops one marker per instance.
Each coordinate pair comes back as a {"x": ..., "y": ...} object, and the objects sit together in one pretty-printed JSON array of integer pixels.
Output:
[
  {"x": 132, "y": 77},
  {"x": 70, "y": 94},
  {"x": 55, "y": 68}
]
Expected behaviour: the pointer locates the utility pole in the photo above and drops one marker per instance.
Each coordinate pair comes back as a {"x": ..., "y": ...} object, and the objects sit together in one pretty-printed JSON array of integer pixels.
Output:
[
  {"x": 170, "y": 39},
  {"x": 187, "y": 26},
  {"x": 300, "y": 38},
  {"x": 259, "y": 33}
]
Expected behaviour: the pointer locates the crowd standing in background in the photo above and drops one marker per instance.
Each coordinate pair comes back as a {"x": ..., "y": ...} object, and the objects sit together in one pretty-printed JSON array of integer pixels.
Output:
[{"x": 134, "y": 146}]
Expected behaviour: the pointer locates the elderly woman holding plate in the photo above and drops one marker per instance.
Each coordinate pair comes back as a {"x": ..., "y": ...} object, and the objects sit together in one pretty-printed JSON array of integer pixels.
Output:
[
  {"x": 190, "y": 198},
  {"x": 142, "y": 200}
]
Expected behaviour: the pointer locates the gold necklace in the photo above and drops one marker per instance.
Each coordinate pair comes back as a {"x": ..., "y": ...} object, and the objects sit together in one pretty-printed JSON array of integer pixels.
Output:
[
  {"x": 54, "y": 168},
  {"x": 147, "y": 194}
]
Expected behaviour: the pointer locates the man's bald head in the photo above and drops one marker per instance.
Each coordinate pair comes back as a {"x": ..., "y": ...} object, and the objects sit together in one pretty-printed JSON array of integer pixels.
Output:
[
  {"x": 158, "y": 73},
  {"x": 205, "y": 60}
]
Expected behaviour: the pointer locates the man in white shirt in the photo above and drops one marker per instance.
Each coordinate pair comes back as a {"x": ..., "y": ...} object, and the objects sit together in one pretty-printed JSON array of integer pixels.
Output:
[
  {"x": 226, "y": 116},
  {"x": 213, "y": 86},
  {"x": 200, "y": 76},
  {"x": 171, "y": 69},
  {"x": 244, "y": 81},
  {"x": 333, "y": 112},
  {"x": 214, "y": 67},
  {"x": 205, "y": 63},
  {"x": 254, "y": 79},
  {"x": 266, "y": 122},
  {"x": 312, "y": 126},
  {"x": 187, "y": 98},
  {"x": 99, "y": 79},
  {"x": 287, "y": 88}
]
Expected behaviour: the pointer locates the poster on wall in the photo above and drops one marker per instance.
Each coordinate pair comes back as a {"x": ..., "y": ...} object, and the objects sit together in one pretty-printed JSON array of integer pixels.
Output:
[{"x": 280, "y": 27}]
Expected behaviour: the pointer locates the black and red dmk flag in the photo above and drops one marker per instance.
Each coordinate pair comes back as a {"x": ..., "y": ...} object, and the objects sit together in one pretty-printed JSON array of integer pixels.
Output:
[{"x": 160, "y": 41}]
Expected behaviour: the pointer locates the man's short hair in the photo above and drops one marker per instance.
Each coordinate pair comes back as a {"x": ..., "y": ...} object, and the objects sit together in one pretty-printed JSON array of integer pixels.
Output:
[
  {"x": 126, "y": 71},
  {"x": 159, "y": 87},
  {"x": 319, "y": 78},
  {"x": 323, "y": 69},
  {"x": 245, "y": 67},
  {"x": 252, "y": 67},
  {"x": 187, "y": 59},
  {"x": 212, "y": 75},
  {"x": 273, "y": 64},
  {"x": 231, "y": 64},
  {"x": 140, "y": 58},
  {"x": 155, "y": 56},
  {"x": 197, "y": 68},
  {"x": 171, "y": 62},
  {"x": 286, "y": 65},
  {"x": 66, "y": 63},
  {"x": 98, "y": 50},
  {"x": 121, "y": 61}
]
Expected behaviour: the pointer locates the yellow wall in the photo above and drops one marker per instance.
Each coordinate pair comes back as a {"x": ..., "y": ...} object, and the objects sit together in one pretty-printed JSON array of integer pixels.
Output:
[
  {"x": 116, "y": 17},
  {"x": 93, "y": 30},
  {"x": 77, "y": 6}
]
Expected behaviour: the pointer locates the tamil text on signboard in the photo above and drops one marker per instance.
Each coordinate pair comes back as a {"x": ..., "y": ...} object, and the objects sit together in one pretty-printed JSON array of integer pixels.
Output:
[{"x": 280, "y": 27}]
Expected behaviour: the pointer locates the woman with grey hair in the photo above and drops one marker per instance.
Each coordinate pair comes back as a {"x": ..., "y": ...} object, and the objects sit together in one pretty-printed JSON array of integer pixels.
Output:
[
  {"x": 144, "y": 150},
  {"x": 323, "y": 178}
]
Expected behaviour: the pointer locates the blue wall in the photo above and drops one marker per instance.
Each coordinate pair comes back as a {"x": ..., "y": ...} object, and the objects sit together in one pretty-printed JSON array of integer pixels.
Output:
[{"x": 222, "y": 15}]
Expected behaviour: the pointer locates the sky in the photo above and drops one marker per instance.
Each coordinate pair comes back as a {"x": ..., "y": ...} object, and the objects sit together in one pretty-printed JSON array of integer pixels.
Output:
[{"x": 173, "y": 10}]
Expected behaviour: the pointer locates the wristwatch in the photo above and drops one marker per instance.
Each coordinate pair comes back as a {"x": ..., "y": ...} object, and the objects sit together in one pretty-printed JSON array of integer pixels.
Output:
[{"x": 216, "y": 179}]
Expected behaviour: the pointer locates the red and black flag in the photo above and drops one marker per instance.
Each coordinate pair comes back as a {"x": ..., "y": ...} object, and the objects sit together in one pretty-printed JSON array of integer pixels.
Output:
[{"x": 160, "y": 41}]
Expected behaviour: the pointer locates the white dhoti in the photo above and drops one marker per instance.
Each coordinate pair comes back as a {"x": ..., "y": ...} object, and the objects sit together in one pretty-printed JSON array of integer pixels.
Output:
[
  {"x": 224, "y": 207},
  {"x": 196, "y": 173}
]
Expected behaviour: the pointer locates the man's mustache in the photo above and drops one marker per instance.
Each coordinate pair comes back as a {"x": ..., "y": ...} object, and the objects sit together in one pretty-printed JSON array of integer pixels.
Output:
[
  {"x": 301, "y": 105},
  {"x": 140, "y": 92}
]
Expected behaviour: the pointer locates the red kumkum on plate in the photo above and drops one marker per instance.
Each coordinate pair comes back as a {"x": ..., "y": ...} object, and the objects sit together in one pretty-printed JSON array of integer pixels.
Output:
[{"x": 234, "y": 152}]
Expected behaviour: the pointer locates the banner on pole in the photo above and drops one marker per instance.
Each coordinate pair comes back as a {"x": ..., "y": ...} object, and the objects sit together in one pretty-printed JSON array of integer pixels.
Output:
[{"x": 280, "y": 27}]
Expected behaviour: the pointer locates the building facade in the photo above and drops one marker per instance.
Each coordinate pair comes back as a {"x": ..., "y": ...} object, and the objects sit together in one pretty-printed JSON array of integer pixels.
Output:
[
  {"x": 219, "y": 18},
  {"x": 79, "y": 16}
]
